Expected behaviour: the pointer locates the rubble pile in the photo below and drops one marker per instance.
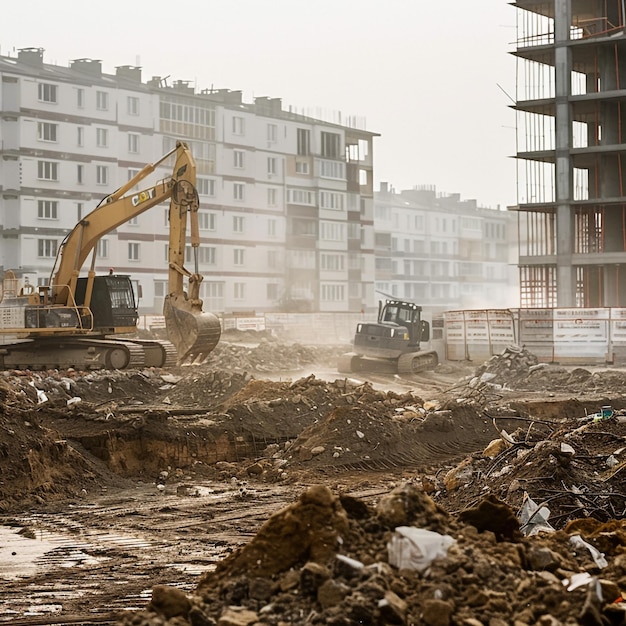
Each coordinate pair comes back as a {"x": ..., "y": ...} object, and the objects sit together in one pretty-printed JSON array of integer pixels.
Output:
[
  {"x": 574, "y": 468},
  {"x": 512, "y": 365},
  {"x": 270, "y": 356},
  {"x": 335, "y": 560}
]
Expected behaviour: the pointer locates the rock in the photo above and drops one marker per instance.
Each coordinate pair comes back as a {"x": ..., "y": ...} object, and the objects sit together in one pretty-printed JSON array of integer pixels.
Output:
[
  {"x": 495, "y": 447},
  {"x": 458, "y": 476},
  {"x": 542, "y": 558},
  {"x": 312, "y": 575},
  {"x": 331, "y": 593},
  {"x": 169, "y": 601},
  {"x": 237, "y": 616},
  {"x": 317, "y": 450},
  {"x": 437, "y": 612},
  {"x": 495, "y": 516},
  {"x": 260, "y": 588},
  {"x": 254, "y": 470},
  {"x": 392, "y": 608}
]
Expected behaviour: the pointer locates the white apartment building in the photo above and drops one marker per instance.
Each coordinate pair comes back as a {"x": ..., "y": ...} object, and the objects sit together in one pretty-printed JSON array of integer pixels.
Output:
[
  {"x": 286, "y": 201},
  {"x": 442, "y": 252}
]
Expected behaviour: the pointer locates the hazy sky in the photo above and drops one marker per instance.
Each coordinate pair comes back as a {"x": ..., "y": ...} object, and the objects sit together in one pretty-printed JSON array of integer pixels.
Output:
[{"x": 430, "y": 76}]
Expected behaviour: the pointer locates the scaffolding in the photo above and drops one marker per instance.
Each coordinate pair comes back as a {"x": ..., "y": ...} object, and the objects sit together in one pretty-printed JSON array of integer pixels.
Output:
[{"x": 571, "y": 175}]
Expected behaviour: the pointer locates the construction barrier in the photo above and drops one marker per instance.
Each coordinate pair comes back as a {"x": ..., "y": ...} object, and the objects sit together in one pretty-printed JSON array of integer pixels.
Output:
[{"x": 559, "y": 335}]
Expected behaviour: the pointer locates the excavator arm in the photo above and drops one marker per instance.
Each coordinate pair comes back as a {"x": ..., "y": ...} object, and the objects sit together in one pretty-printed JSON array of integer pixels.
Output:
[
  {"x": 113, "y": 211},
  {"x": 192, "y": 332}
]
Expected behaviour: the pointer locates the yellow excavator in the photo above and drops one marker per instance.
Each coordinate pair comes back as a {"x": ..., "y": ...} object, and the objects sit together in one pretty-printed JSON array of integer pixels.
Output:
[{"x": 77, "y": 321}]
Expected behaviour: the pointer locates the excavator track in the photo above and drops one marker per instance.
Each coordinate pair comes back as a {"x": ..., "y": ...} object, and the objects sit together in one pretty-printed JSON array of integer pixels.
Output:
[
  {"x": 87, "y": 354},
  {"x": 157, "y": 353},
  {"x": 415, "y": 362},
  {"x": 410, "y": 363}
]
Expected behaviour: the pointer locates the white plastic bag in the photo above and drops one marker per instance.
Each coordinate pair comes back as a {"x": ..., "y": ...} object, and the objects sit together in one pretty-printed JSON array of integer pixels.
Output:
[{"x": 416, "y": 548}]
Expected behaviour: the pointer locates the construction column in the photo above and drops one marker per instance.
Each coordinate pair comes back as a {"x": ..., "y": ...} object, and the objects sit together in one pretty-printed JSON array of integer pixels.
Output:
[{"x": 565, "y": 276}]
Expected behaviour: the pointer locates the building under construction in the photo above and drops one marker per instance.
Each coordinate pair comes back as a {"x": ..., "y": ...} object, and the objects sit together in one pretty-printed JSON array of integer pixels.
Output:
[{"x": 571, "y": 126}]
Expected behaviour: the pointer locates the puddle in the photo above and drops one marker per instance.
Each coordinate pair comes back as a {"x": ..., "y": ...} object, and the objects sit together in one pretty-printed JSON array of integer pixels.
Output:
[{"x": 19, "y": 554}]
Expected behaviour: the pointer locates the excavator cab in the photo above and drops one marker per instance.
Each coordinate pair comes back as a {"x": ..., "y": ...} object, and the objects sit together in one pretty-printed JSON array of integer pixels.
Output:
[{"x": 112, "y": 303}]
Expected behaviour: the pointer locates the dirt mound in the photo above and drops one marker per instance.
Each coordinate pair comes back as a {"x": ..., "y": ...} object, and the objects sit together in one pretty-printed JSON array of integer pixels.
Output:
[
  {"x": 358, "y": 564},
  {"x": 37, "y": 464}
]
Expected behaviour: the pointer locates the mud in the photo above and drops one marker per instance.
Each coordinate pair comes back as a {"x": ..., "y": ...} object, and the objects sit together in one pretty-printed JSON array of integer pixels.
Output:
[{"x": 200, "y": 488}]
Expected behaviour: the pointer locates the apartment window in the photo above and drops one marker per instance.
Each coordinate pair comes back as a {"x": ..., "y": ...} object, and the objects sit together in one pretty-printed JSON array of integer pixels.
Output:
[
  {"x": 272, "y": 133},
  {"x": 102, "y": 175},
  {"x": 205, "y": 186},
  {"x": 133, "y": 221},
  {"x": 330, "y": 145},
  {"x": 332, "y": 231},
  {"x": 133, "y": 251},
  {"x": 132, "y": 105},
  {"x": 271, "y": 228},
  {"x": 47, "y": 92},
  {"x": 80, "y": 136},
  {"x": 102, "y": 250},
  {"x": 303, "y": 227},
  {"x": 272, "y": 259},
  {"x": 206, "y": 254},
  {"x": 80, "y": 174},
  {"x": 271, "y": 197},
  {"x": 102, "y": 101},
  {"x": 102, "y": 137},
  {"x": 272, "y": 291},
  {"x": 238, "y": 222},
  {"x": 240, "y": 291},
  {"x": 46, "y": 248},
  {"x": 79, "y": 211},
  {"x": 300, "y": 196},
  {"x": 47, "y": 131},
  {"x": 304, "y": 142},
  {"x": 333, "y": 169},
  {"x": 133, "y": 143},
  {"x": 206, "y": 220},
  {"x": 330, "y": 200},
  {"x": 271, "y": 165},
  {"x": 303, "y": 259},
  {"x": 332, "y": 292},
  {"x": 80, "y": 98},
  {"x": 332, "y": 262},
  {"x": 238, "y": 256},
  {"x": 354, "y": 230},
  {"x": 239, "y": 125},
  {"x": 302, "y": 167},
  {"x": 47, "y": 170},
  {"x": 238, "y": 159},
  {"x": 239, "y": 191},
  {"x": 47, "y": 209}
]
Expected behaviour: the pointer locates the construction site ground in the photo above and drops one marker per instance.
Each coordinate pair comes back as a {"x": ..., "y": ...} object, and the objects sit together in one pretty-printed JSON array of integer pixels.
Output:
[{"x": 262, "y": 487}]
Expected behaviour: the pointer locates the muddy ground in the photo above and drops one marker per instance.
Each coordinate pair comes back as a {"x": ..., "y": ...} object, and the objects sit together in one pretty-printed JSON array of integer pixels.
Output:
[{"x": 262, "y": 487}]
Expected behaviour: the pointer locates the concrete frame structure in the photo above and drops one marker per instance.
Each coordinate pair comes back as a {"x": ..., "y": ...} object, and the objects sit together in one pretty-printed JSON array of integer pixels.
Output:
[{"x": 571, "y": 121}]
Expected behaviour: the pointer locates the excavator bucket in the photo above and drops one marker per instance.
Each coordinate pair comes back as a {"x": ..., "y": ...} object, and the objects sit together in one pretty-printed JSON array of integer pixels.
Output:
[{"x": 194, "y": 333}]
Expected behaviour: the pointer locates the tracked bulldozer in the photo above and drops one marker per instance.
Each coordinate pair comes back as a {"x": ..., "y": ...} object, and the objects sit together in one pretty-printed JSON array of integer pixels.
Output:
[
  {"x": 393, "y": 341},
  {"x": 79, "y": 320}
]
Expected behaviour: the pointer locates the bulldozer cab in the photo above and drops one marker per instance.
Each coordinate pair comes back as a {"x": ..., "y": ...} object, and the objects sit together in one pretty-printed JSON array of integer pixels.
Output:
[{"x": 405, "y": 314}]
